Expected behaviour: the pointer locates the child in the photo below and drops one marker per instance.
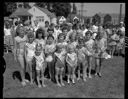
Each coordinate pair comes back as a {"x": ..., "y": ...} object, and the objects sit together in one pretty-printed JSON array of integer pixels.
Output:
[
  {"x": 71, "y": 59},
  {"x": 100, "y": 53},
  {"x": 59, "y": 65},
  {"x": 49, "y": 51},
  {"x": 40, "y": 64},
  {"x": 89, "y": 45},
  {"x": 19, "y": 42},
  {"x": 82, "y": 58},
  {"x": 40, "y": 37},
  {"x": 29, "y": 53}
]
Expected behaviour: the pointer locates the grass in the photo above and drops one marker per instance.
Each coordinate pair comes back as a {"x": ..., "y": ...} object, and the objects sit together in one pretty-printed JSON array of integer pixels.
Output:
[{"x": 111, "y": 85}]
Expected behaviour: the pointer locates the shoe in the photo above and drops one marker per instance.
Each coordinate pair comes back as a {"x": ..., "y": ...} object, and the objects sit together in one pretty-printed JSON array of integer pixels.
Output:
[
  {"x": 90, "y": 76},
  {"x": 26, "y": 80},
  {"x": 39, "y": 86},
  {"x": 23, "y": 83},
  {"x": 99, "y": 74},
  {"x": 68, "y": 81},
  {"x": 73, "y": 81},
  {"x": 96, "y": 74},
  {"x": 44, "y": 85},
  {"x": 78, "y": 78},
  {"x": 62, "y": 84},
  {"x": 59, "y": 85}
]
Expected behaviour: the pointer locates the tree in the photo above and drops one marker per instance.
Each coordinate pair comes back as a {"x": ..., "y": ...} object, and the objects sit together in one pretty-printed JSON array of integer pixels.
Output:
[
  {"x": 9, "y": 7},
  {"x": 26, "y": 5},
  {"x": 107, "y": 19},
  {"x": 62, "y": 9},
  {"x": 96, "y": 19},
  {"x": 74, "y": 9}
]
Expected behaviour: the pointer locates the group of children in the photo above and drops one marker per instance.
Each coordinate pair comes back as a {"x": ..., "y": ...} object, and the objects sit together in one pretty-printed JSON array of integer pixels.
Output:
[
  {"x": 66, "y": 50},
  {"x": 64, "y": 54}
]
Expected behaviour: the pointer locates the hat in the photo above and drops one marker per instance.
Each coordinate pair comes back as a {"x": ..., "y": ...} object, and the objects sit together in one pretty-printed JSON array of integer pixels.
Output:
[
  {"x": 75, "y": 18},
  {"x": 38, "y": 47}
]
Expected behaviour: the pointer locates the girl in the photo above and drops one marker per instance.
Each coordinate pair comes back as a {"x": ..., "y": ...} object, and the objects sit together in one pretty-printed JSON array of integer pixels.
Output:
[
  {"x": 40, "y": 64},
  {"x": 8, "y": 39},
  {"x": 100, "y": 53},
  {"x": 60, "y": 58},
  {"x": 82, "y": 58},
  {"x": 89, "y": 45},
  {"x": 19, "y": 42},
  {"x": 29, "y": 53},
  {"x": 71, "y": 59},
  {"x": 40, "y": 37},
  {"x": 59, "y": 65},
  {"x": 113, "y": 42},
  {"x": 49, "y": 51}
]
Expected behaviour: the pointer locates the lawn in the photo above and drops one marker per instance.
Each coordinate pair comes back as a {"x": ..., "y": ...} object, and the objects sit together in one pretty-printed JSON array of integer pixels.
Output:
[{"x": 110, "y": 85}]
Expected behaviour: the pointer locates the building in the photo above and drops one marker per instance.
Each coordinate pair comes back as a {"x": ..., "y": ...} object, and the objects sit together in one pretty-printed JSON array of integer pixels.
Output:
[
  {"x": 115, "y": 17},
  {"x": 41, "y": 15}
]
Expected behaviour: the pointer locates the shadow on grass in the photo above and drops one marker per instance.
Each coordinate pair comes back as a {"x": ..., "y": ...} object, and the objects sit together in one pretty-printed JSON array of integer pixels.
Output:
[{"x": 17, "y": 75}]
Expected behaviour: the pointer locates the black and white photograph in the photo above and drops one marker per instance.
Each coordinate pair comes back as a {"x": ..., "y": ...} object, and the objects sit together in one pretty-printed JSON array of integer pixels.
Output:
[{"x": 64, "y": 50}]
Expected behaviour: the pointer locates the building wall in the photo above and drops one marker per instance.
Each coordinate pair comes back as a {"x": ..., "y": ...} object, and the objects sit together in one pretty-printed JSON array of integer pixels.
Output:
[{"x": 38, "y": 15}]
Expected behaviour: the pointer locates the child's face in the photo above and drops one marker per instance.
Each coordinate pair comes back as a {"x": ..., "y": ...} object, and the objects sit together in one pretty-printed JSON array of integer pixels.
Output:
[
  {"x": 31, "y": 39},
  {"x": 50, "y": 40},
  {"x": 21, "y": 33},
  {"x": 40, "y": 35},
  {"x": 61, "y": 38},
  {"x": 65, "y": 31},
  {"x": 88, "y": 36},
  {"x": 57, "y": 27}
]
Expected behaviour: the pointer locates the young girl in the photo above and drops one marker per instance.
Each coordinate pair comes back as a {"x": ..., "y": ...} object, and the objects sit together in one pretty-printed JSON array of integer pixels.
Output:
[
  {"x": 100, "y": 53},
  {"x": 29, "y": 53},
  {"x": 82, "y": 58},
  {"x": 60, "y": 58},
  {"x": 59, "y": 65},
  {"x": 40, "y": 37},
  {"x": 49, "y": 53},
  {"x": 40, "y": 64},
  {"x": 71, "y": 59},
  {"x": 89, "y": 45},
  {"x": 19, "y": 42}
]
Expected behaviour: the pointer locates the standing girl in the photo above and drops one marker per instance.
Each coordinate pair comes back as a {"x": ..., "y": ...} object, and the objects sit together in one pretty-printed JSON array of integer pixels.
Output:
[
  {"x": 100, "y": 53},
  {"x": 60, "y": 58},
  {"x": 89, "y": 45},
  {"x": 19, "y": 42},
  {"x": 40, "y": 64},
  {"x": 49, "y": 53},
  {"x": 29, "y": 53}
]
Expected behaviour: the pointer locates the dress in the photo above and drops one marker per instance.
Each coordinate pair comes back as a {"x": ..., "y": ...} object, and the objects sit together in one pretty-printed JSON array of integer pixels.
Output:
[
  {"x": 89, "y": 46},
  {"x": 30, "y": 51},
  {"x": 49, "y": 49},
  {"x": 39, "y": 61},
  {"x": 20, "y": 46}
]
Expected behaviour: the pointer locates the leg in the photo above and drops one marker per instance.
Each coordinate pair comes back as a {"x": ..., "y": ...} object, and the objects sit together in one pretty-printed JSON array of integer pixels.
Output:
[
  {"x": 69, "y": 73},
  {"x": 73, "y": 74},
  {"x": 61, "y": 76},
  {"x": 42, "y": 76},
  {"x": 49, "y": 69},
  {"x": 30, "y": 71},
  {"x": 96, "y": 65},
  {"x": 89, "y": 65},
  {"x": 22, "y": 71},
  {"x": 84, "y": 65},
  {"x": 100, "y": 63},
  {"x": 78, "y": 71},
  {"x": 38, "y": 78},
  {"x": 56, "y": 76}
]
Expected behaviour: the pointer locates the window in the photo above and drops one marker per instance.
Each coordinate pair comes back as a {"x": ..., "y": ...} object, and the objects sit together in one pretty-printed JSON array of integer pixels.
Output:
[{"x": 40, "y": 18}]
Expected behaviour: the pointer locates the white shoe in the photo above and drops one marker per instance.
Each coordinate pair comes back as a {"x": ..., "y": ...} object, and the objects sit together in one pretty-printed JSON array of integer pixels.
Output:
[
  {"x": 26, "y": 80},
  {"x": 90, "y": 76},
  {"x": 39, "y": 86},
  {"x": 62, "y": 84},
  {"x": 23, "y": 83}
]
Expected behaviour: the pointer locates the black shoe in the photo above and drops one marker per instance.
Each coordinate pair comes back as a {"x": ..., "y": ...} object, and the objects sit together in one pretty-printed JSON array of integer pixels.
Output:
[{"x": 99, "y": 74}]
